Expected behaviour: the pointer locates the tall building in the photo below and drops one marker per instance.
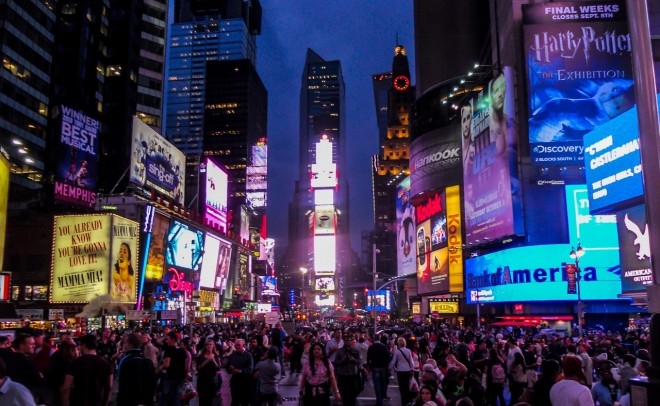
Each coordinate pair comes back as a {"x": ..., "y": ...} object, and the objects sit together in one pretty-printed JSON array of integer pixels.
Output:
[
  {"x": 26, "y": 47},
  {"x": 235, "y": 120},
  {"x": 320, "y": 205},
  {"x": 203, "y": 31},
  {"x": 391, "y": 164}
]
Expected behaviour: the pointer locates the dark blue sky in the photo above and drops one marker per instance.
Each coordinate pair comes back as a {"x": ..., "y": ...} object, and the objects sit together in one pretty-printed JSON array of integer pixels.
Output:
[{"x": 362, "y": 35}]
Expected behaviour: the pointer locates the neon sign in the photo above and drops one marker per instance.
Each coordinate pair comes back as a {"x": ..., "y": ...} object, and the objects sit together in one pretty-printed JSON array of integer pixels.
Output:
[{"x": 177, "y": 283}]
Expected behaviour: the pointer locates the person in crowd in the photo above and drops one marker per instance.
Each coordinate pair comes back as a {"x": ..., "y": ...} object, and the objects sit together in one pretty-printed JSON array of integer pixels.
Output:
[
  {"x": 22, "y": 369},
  {"x": 13, "y": 393},
  {"x": 606, "y": 391},
  {"x": 208, "y": 365},
  {"x": 149, "y": 350},
  {"x": 318, "y": 378},
  {"x": 587, "y": 363},
  {"x": 240, "y": 366},
  {"x": 297, "y": 348},
  {"x": 333, "y": 345},
  {"x": 571, "y": 390},
  {"x": 136, "y": 374},
  {"x": 88, "y": 380},
  {"x": 627, "y": 371},
  {"x": 268, "y": 372},
  {"x": 107, "y": 348},
  {"x": 58, "y": 364},
  {"x": 347, "y": 362},
  {"x": 550, "y": 370},
  {"x": 403, "y": 365},
  {"x": 276, "y": 339},
  {"x": 518, "y": 381},
  {"x": 378, "y": 359},
  {"x": 174, "y": 369},
  {"x": 495, "y": 379},
  {"x": 425, "y": 348},
  {"x": 426, "y": 394}
]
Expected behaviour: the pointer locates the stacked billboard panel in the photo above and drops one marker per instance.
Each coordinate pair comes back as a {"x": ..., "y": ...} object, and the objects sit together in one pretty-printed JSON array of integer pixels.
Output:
[
  {"x": 492, "y": 194},
  {"x": 94, "y": 255},
  {"x": 184, "y": 251},
  {"x": 635, "y": 250},
  {"x": 77, "y": 158},
  {"x": 256, "y": 183},
  {"x": 323, "y": 222},
  {"x": 215, "y": 266},
  {"x": 405, "y": 229},
  {"x": 155, "y": 163},
  {"x": 579, "y": 73},
  {"x": 214, "y": 192}
]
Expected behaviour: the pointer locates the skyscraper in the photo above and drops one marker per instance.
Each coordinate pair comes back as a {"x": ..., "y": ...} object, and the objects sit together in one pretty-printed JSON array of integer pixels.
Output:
[
  {"x": 320, "y": 203},
  {"x": 203, "y": 31}
]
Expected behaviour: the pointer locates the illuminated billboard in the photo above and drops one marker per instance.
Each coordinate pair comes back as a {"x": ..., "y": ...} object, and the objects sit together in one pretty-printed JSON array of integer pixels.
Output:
[
  {"x": 431, "y": 243},
  {"x": 383, "y": 301},
  {"x": 156, "y": 252},
  {"x": 256, "y": 181},
  {"x": 4, "y": 198},
  {"x": 635, "y": 250},
  {"x": 324, "y": 172},
  {"x": 156, "y": 163},
  {"x": 579, "y": 75},
  {"x": 454, "y": 239},
  {"x": 215, "y": 264},
  {"x": 405, "y": 229},
  {"x": 325, "y": 300},
  {"x": 94, "y": 255},
  {"x": 538, "y": 273},
  {"x": 325, "y": 254},
  {"x": 443, "y": 305},
  {"x": 613, "y": 165},
  {"x": 77, "y": 157},
  {"x": 324, "y": 220},
  {"x": 435, "y": 159},
  {"x": 324, "y": 197},
  {"x": 324, "y": 283},
  {"x": 215, "y": 194},
  {"x": 492, "y": 197},
  {"x": 184, "y": 251}
]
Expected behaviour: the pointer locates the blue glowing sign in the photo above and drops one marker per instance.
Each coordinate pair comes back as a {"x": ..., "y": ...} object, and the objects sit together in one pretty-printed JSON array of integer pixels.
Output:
[
  {"x": 383, "y": 301},
  {"x": 613, "y": 166},
  {"x": 595, "y": 232},
  {"x": 538, "y": 273}
]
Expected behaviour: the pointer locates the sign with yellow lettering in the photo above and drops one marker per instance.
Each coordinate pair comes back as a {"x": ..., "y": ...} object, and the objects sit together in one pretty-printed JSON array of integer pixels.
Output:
[{"x": 443, "y": 307}]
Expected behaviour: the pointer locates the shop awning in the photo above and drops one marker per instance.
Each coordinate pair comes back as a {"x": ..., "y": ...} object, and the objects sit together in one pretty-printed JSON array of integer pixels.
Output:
[{"x": 513, "y": 324}]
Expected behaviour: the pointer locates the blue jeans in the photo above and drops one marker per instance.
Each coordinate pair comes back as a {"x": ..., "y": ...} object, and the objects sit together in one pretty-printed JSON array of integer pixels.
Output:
[
  {"x": 170, "y": 392},
  {"x": 381, "y": 379}
]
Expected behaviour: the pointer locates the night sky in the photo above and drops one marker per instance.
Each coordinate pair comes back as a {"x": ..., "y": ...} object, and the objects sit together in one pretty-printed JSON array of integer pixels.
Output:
[{"x": 362, "y": 35}]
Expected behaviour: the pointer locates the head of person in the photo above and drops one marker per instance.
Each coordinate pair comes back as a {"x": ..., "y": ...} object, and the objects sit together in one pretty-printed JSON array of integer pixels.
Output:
[
  {"x": 171, "y": 339},
  {"x": 272, "y": 352},
  {"x": 4, "y": 342},
  {"x": 605, "y": 372},
  {"x": 497, "y": 92},
  {"x": 24, "y": 343},
  {"x": 38, "y": 338},
  {"x": 572, "y": 367},
  {"x": 349, "y": 341},
  {"x": 401, "y": 342},
  {"x": 466, "y": 120},
  {"x": 630, "y": 359},
  {"x": 131, "y": 341},
  {"x": 550, "y": 368},
  {"x": 426, "y": 394},
  {"x": 124, "y": 259},
  {"x": 69, "y": 351},
  {"x": 209, "y": 346},
  {"x": 88, "y": 343},
  {"x": 239, "y": 345},
  {"x": 337, "y": 335},
  {"x": 316, "y": 351}
]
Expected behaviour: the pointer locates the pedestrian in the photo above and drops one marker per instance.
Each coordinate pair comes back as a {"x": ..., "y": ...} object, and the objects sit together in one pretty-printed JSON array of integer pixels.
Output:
[
  {"x": 13, "y": 393},
  {"x": 208, "y": 365},
  {"x": 570, "y": 390},
  {"x": 136, "y": 375},
  {"x": 347, "y": 364},
  {"x": 495, "y": 378},
  {"x": 378, "y": 359},
  {"x": 333, "y": 345},
  {"x": 518, "y": 381},
  {"x": 240, "y": 365},
  {"x": 277, "y": 336},
  {"x": 149, "y": 350},
  {"x": 318, "y": 378},
  {"x": 22, "y": 369},
  {"x": 58, "y": 364},
  {"x": 268, "y": 372},
  {"x": 402, "y": 363},
  {"x": 88, "y": 380},
  {"x": 174, "y": 370},
  {"x": 606, "y": 391},
  {"x": 550, "y": 370}
]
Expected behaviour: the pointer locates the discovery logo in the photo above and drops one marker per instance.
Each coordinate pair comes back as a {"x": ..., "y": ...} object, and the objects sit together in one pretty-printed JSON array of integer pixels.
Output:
[{"x": 558, "y": 149}]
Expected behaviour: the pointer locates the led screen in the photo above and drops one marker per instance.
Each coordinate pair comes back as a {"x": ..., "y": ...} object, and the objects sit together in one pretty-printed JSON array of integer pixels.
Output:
[
  {"x": 77, "y": 157},
  {"x": 431, "y": 244},
  {"x": 156, "y": 163},
  {"x": 591, "y": 231},
  {"x": 383, "y": 301},
  {"x": 579, "y": 74},
  {"x": 324, "y": 283},
  {"x": 324, "y": 197},
  {"x": 210, "y": 261},
  {"x": 156, "y": 254},
  {"x": 324, "y": 220},
  {"x": 4, "y": 198},
  {"x": 324, "y": 254},
  {"x": 538, "y": 273},
  {"x": 405, "y": 229},
  {"x": 185, "y": 246},
  {"x": 491, "y": 186},
  {"x": 328, "y": 300},
  {"x": 215, "y": 192}
]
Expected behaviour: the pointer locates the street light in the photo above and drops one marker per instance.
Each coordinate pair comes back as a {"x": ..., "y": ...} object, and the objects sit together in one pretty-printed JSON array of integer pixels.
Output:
[{"x": 576, "y": 255}]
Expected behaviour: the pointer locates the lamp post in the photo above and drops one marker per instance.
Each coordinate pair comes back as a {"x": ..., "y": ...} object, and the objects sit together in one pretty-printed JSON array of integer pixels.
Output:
[
  {"x": 576, "y": 255},
  {"x": 303, "y": 271},
  {"x": 374, "y": 251}
]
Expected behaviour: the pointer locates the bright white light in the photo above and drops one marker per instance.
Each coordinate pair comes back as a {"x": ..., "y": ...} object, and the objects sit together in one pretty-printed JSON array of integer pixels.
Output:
[
  {"x": 324, "y": 220},
  {"x": 324, "y": 254},
  {"x": 325, "y": 301},
  {"x": 324, "y": 197}
]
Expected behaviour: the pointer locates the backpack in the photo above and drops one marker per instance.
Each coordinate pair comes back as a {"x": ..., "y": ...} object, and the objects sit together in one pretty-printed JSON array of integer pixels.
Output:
[
  {"x": 498, "y": 374},
  {"x": 145, "y": 391}
]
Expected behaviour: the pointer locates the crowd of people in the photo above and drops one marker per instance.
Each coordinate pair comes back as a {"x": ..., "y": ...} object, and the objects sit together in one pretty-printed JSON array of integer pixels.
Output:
[{"x": 242, "y": 364}]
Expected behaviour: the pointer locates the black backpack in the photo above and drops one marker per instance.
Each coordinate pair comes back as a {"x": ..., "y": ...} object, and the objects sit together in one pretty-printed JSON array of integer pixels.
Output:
[{"x": 144, "y": 390}]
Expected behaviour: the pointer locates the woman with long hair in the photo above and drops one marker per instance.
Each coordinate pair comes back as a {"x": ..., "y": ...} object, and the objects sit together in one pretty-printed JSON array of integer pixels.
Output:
[
  {"x": 495, "y": 378},
  {"x": 208, "y": 364},
  {"x": 519, "y": 382},
  {"x": 318, "y": 378}
]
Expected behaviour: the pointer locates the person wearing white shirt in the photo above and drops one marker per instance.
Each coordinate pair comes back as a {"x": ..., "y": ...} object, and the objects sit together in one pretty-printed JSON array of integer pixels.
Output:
[
  {"x": 333, "y": 345},
  {"x": 402, "y": 362},
  {"x": 569, "y": 391}
]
